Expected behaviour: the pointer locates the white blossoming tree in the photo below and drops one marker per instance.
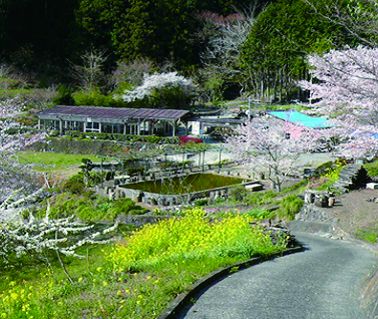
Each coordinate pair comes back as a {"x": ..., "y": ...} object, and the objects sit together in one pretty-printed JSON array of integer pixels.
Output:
[
  {"x": 39, "y": 238},
  {"x": 163, "y": 90},
  {"x": 346, "y": 89},
  {"x": 18, "y": 181},
  {"x": 273, "y": 146},
  {"x": 19, "y": 189}
]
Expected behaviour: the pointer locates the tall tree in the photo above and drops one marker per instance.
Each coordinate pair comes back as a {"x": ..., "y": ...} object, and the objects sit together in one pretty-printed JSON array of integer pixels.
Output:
[
  {"x": 273, "y": 146},
  {"x": 160, "y": 29},
  {"x": 347, "y": 89},
  {"x": 35, "y": 29},
  {"x": 274, "y": 53}
]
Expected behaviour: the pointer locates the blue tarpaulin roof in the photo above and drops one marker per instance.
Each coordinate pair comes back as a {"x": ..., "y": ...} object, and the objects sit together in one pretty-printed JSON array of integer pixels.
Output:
[{"x": 302, "y": 119}]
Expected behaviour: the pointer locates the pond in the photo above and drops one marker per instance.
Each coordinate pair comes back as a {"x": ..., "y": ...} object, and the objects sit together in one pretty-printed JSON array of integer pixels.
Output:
[{"x": 186, "y": 184}]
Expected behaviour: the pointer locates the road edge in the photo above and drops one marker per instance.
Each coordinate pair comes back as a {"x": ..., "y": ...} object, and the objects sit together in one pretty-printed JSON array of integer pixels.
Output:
[{"x": 184, "y": 299}]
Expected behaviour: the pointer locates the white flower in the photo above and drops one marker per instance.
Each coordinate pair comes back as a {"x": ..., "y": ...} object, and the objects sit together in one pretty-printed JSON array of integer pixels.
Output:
[{"x": 158, "y": 81}]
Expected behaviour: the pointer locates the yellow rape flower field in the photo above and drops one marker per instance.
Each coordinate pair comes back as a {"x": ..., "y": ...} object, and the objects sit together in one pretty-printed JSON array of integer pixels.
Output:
[{"x": 137, "y": 276}]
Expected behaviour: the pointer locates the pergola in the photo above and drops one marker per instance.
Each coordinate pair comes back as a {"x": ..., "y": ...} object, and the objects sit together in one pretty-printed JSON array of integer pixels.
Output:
[{"x": 142, "y": 121}]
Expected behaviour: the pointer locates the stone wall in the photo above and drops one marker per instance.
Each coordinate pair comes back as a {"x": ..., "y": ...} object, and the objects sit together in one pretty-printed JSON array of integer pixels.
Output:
[{"x": 161, "y": 200}]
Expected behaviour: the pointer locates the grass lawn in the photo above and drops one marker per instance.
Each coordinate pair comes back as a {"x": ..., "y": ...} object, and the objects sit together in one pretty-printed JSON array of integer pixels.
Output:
[
  {"x": 369, "y": 234},
  {"x": 372, "y": 168},
  {"x": 137, "y": 276},
  {"x": 51, "y": 162}
]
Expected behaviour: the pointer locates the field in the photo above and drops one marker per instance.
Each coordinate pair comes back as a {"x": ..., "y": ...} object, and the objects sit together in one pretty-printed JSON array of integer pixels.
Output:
[
  {"x": 136, "y": 277},
  {"x": 51, "y": 162}
]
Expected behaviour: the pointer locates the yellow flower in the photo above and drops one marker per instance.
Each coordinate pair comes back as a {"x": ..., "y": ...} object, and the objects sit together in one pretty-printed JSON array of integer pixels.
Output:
[{"x": 14, "y": 295}]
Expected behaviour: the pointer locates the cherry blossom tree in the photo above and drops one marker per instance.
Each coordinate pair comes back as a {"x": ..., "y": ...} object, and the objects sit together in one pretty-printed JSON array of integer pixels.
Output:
[
  {"x": 346, "y": 89},
  {"x": 17, "y": 181},
  {"x": 273, "y": 146},
  {"x": 159, "y": 81},
  {"x": 39, "y": 237},
  {"x": 19, "y": 188}
]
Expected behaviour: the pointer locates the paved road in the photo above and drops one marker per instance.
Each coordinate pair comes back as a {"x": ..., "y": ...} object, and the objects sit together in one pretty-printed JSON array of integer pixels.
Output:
[{"x": 323, "y": 282}]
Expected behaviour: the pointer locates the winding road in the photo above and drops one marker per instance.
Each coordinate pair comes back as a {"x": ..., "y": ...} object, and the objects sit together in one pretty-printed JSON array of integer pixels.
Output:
[{"x": 324, "y": 282}]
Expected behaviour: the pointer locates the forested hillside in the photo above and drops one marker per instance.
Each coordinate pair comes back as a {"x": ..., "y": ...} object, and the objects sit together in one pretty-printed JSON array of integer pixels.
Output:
[{"x": 225, "y": 46}]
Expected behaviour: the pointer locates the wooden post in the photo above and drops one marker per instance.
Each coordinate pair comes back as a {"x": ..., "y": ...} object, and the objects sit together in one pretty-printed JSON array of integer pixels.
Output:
[
  {"x": 60, "y": 127},
  {"x": 138, "y": 127},
  {"x": 39, "y": 124},
  {"x": 85, "y": 127},
  {"x": 174, "y": 128},
  {"x": 99, "y": 127}
]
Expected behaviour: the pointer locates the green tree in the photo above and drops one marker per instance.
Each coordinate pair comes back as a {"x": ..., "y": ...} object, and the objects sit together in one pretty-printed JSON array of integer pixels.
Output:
[
  {"x": 33, "y": 31},
  {"x": 157, "y": 29},
  {"x": 273, "y": 56}
]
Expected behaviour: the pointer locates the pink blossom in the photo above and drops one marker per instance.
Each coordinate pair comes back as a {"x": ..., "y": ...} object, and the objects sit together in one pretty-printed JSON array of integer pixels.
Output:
[
  {"x": 346, "y": 89},
  {"x": 272, "y": 146}
]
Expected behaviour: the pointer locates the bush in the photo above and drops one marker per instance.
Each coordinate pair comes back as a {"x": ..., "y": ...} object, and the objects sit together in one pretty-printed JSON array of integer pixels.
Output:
[
  {"x": 64, "y": 95},
  {"x": 91, "y": 208},
  {"x": 372, "y": 168},
  {"x": 123, "y": 137},
  {"x": 238, "y": 193},
  {"x": 369, "y": 235},
  {"x": 94, "y": 97},
  {"x": 170, "y": 97},
  {"x": 261, "y": 198},
  {"x": 75, "y": 184},
  {"x": 201, "y": 202},
  {"x": 289, "y": 207}
]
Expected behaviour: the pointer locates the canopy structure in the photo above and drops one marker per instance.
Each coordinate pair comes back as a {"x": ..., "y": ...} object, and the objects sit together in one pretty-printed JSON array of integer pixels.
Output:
[
  {"x": 302, "y": 119},
  {"x": 113, "y": 120}
]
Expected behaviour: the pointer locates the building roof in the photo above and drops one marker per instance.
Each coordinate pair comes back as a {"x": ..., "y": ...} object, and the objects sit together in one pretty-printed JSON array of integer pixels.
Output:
[
  {"x": 113, "y": 113},
  {"x": 302, "y": 119},
  {"x": 220, "y": 120}
]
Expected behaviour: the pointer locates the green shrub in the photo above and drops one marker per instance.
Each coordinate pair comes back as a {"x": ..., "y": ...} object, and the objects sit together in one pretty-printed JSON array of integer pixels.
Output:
[
  {"x": 289, "y": 207},
  {"x": 54, "y": 133},
  {"x": 154, "y": 139},
  {"x": 201, "y": 202},
  {"x": 260, "y": 214},
  {"x": 170, "y": 97},
  {"x": 214, "y": 85},
  {"x": 94, "y": 97},
  {"x": 261, "y": 198},
  {"x": 64, "y": 95},
  {"x": 88, "y": 207},
  {"x": 372, "y": 168},
  {"x": 369, "y": 235},
  {"x": 238, "y": 193},
  {"x": 75, "y": 184}
]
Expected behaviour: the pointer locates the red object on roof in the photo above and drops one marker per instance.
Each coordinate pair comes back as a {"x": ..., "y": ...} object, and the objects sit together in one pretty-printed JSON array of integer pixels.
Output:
[{"x": 189, "y": 139}]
